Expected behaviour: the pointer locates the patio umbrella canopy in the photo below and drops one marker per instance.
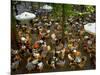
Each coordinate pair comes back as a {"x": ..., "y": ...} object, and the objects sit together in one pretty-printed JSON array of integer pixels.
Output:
[
  {"x": 25, "y": 16},
  {"x": 90, "y": 28},
  {"x": 47, "y": 8}
]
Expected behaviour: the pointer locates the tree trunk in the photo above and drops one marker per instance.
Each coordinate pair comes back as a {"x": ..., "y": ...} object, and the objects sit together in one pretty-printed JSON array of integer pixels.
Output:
[
  {"x": 63, "y": 19},
  {"x": 13, "y": 28}
]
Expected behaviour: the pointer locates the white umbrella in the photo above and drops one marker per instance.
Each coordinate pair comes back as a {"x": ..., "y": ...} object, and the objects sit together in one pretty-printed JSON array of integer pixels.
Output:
[
  {"x": 46, "y": 7},
  {"x": 25, "y": 16},
  {"x": 90, "y": 28}
]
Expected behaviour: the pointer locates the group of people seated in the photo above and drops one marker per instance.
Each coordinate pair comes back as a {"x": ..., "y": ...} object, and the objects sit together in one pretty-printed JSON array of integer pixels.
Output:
[{"x": 44, "y": 45}]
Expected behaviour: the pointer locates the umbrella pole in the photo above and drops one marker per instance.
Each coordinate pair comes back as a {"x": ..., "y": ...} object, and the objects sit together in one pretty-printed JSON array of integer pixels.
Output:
[{"x": 39, "y": 8}]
